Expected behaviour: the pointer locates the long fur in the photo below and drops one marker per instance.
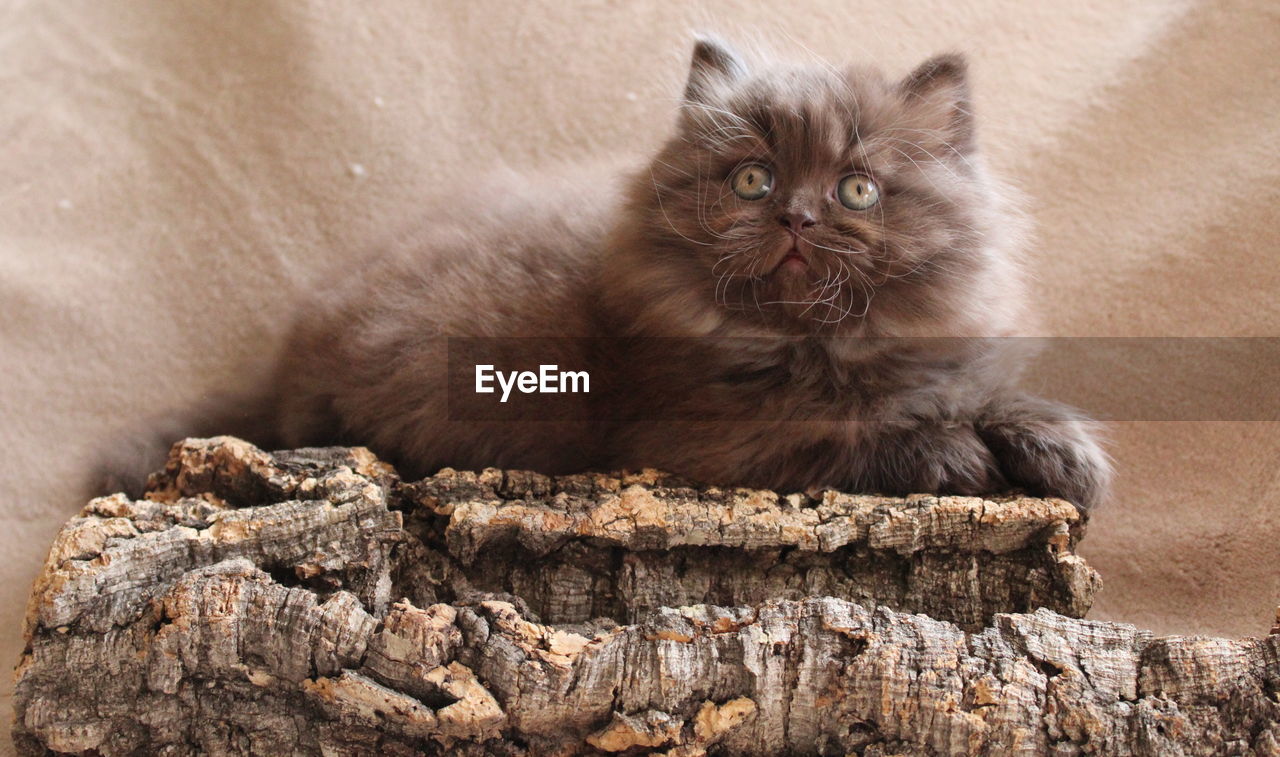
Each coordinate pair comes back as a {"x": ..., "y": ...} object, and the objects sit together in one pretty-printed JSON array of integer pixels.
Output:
[{"x": 878, "y": 365}]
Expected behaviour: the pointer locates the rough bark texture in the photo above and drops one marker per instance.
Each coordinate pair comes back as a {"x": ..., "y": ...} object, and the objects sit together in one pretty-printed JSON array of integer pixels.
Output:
[
  {"x": 309, "y": 602},
  {"x": 575, "y": 548}
]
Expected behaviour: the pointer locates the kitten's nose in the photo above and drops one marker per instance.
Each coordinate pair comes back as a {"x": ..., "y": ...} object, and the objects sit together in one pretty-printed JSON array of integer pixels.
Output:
[{"x": 796, "y": 220}]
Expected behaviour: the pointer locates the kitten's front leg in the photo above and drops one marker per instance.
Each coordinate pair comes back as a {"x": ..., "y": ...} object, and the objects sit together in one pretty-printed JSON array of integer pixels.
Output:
[
  {"x": 1047, "y": 448},
  {"x": 938, "y": 456}
]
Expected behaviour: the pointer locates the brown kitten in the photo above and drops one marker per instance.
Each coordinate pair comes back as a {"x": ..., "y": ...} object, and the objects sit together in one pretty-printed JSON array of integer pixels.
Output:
[{"x": 780, "y": 290}]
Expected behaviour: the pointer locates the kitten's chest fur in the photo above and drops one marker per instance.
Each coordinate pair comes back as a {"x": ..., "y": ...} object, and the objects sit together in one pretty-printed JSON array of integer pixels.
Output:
[
  {"x": 778, "y": 378},
  {"x": 750, "y": 410}
]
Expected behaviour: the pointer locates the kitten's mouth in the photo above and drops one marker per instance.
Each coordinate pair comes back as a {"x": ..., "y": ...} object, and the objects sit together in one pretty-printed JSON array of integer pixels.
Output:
[{"x": 795, "y": 260}]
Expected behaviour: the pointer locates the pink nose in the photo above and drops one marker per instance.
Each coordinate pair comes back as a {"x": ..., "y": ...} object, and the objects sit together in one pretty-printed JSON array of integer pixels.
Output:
[{"x": 796, "y": 220}]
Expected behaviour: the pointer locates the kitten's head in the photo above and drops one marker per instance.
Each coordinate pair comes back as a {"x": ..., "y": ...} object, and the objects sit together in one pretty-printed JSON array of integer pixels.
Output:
[{"x": 817, "y": 200}]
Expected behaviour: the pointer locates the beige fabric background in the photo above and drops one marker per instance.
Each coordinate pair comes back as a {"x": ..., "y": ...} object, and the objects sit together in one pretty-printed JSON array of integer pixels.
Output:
[{"x": 174, "y": 174}]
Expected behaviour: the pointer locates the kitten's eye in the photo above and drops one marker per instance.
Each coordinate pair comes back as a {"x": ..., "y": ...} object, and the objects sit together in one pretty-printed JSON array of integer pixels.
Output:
[
  {"x": 857, "y": 192},
  {"x": 752, "y": 182}
]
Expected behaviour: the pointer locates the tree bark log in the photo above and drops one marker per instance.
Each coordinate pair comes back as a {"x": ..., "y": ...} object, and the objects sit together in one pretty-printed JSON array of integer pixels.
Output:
[{"x": 308, "y": 602}]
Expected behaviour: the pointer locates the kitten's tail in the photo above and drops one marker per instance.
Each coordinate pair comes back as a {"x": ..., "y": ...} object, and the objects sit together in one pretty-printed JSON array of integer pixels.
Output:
[{"x": 132, "y": 454}]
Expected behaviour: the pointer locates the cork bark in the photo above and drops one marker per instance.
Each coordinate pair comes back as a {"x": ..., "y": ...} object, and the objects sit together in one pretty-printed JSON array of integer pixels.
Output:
[{"x": 309, "y": 602}]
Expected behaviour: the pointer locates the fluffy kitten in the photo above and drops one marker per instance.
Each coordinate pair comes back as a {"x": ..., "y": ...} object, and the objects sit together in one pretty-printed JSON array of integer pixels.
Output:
[{"x": 783, "y": 294}]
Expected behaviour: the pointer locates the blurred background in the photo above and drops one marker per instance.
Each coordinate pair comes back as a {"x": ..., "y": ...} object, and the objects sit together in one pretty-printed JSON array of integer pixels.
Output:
[{"x": 174, "y": 176}]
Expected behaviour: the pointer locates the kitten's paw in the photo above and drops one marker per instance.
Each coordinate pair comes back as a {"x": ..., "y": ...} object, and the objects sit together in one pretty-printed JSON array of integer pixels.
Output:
[
  {"x": 934, "y": 458},
  {"x": 1048, "y": 449}
]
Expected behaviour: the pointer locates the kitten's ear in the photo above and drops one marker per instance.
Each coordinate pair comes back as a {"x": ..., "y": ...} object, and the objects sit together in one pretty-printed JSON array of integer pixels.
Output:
[
  {"x": 714, "y": 65},
  {"x": 937, "y": 99}
]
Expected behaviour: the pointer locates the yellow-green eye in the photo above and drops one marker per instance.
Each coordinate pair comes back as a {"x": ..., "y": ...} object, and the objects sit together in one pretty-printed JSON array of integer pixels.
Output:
[
  {"x": 857, "y": 192},
  {"x": 752, "y": 182}
]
